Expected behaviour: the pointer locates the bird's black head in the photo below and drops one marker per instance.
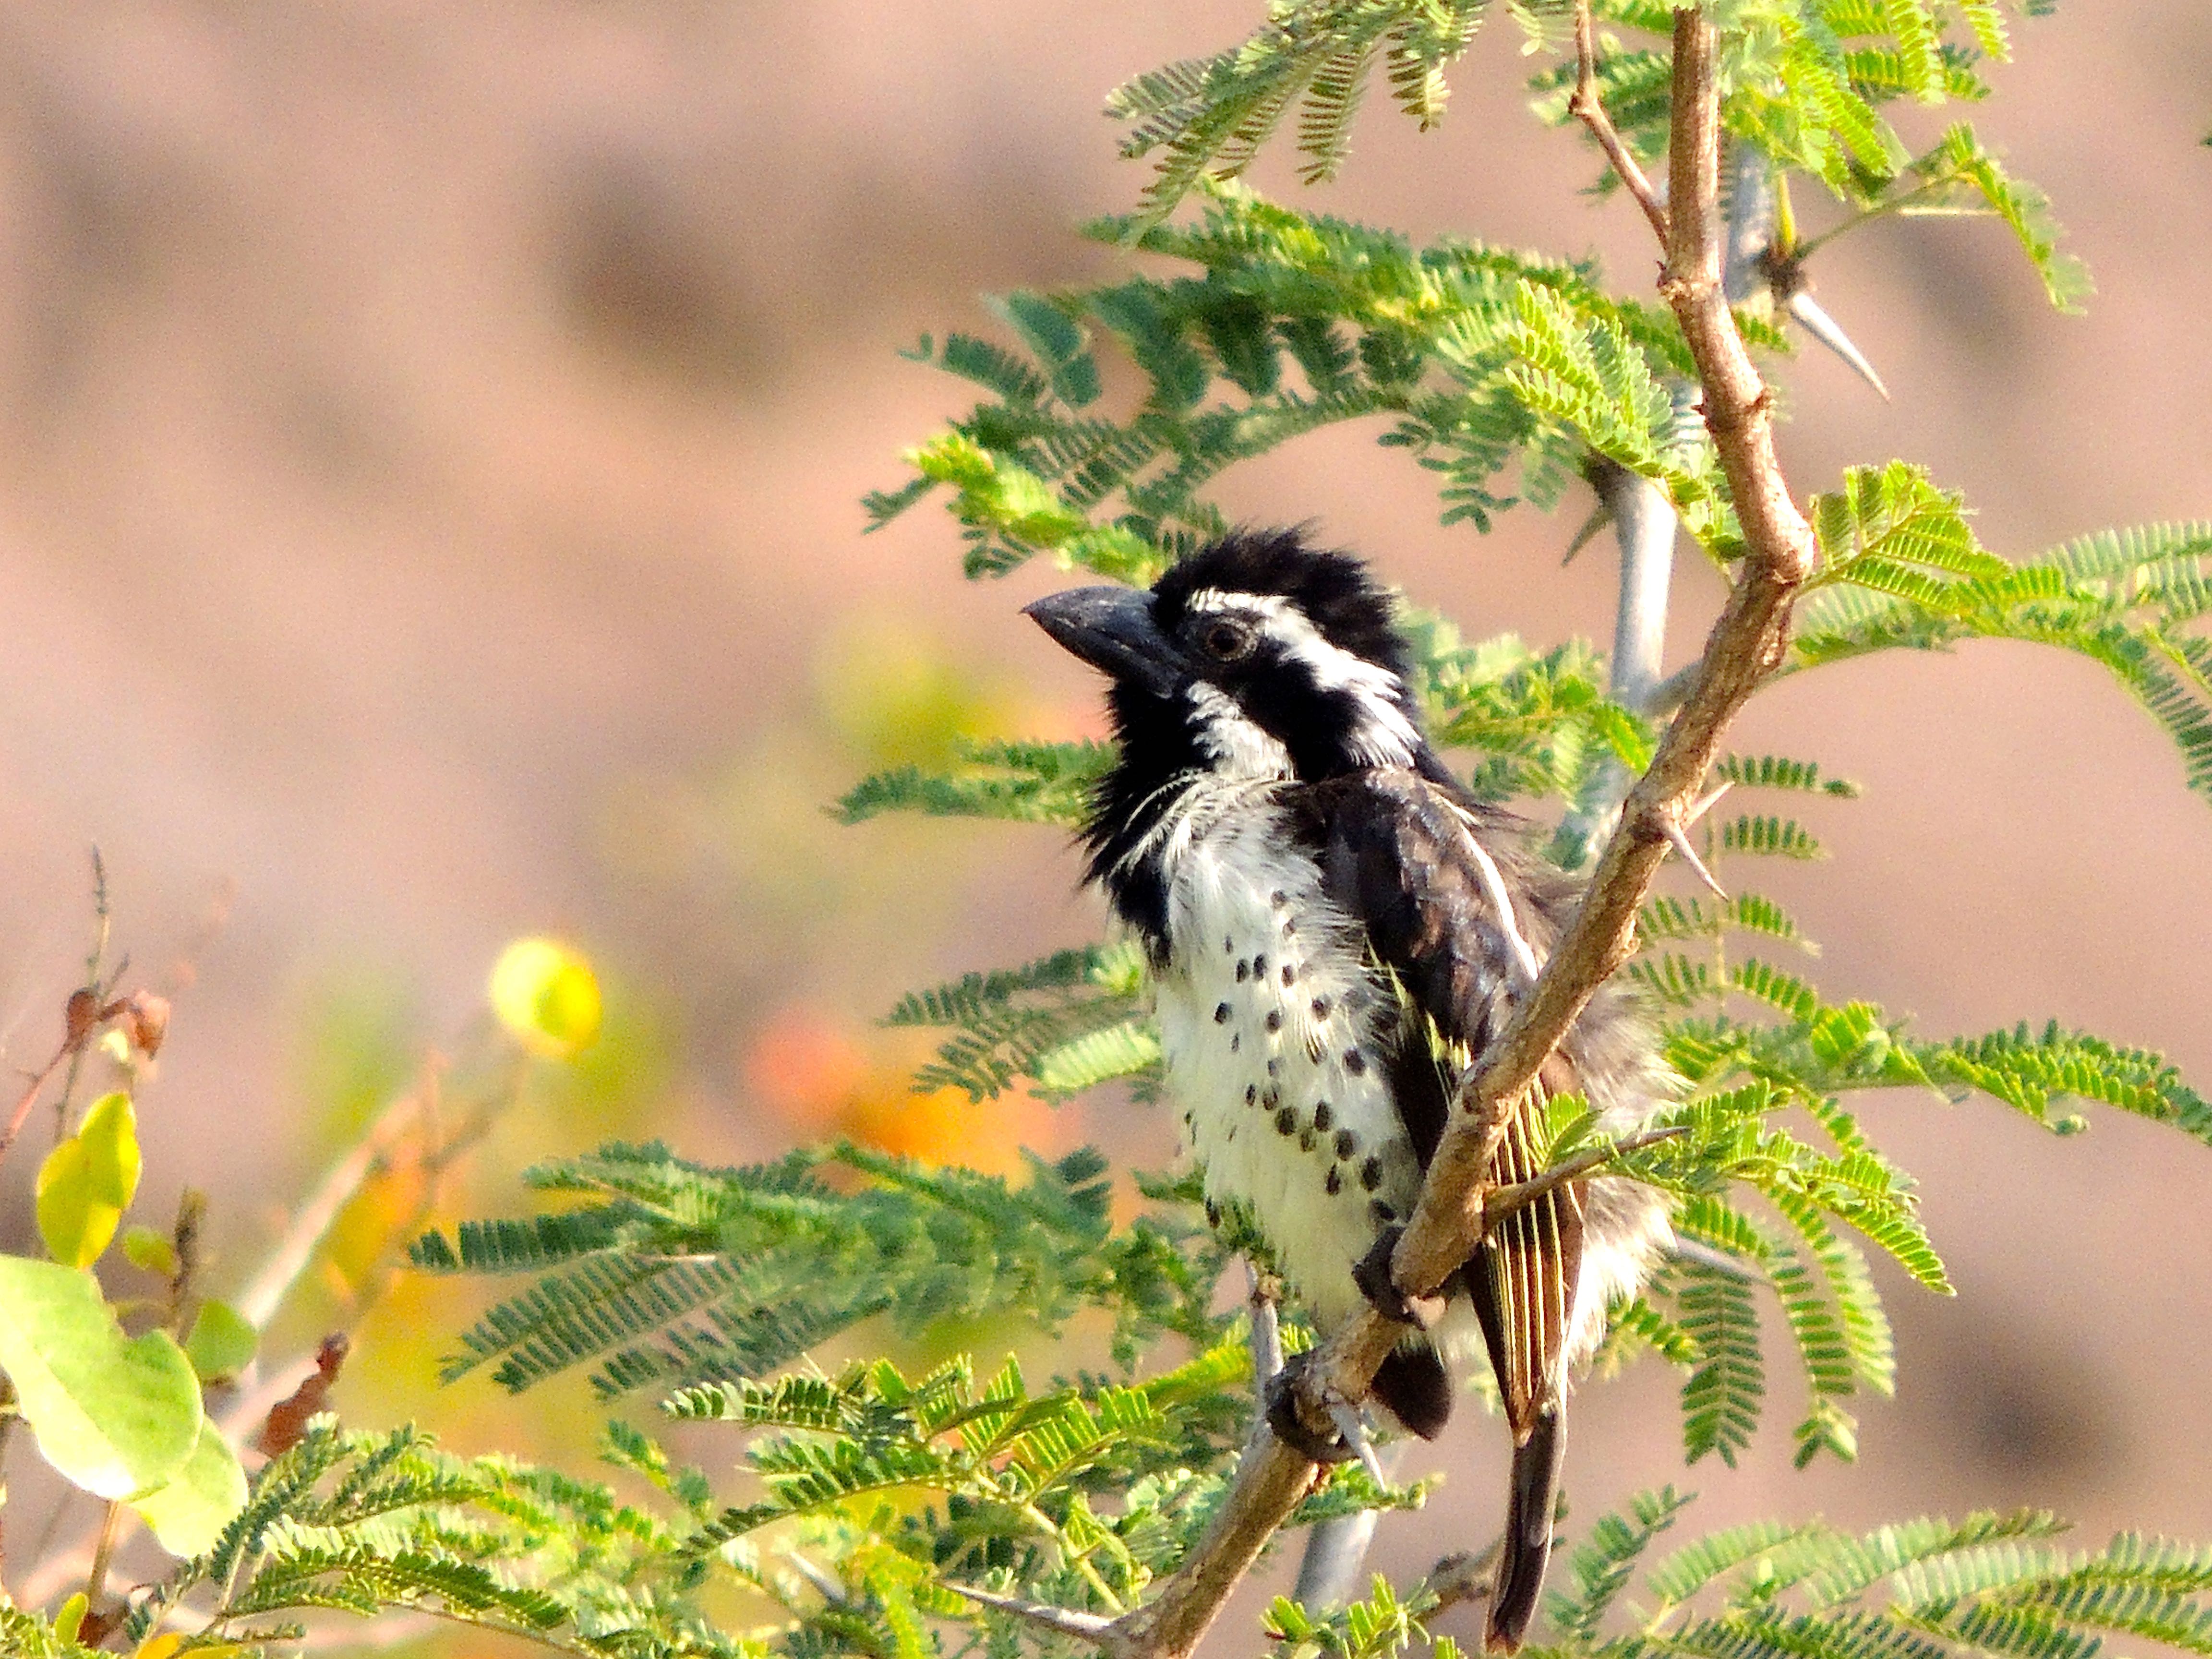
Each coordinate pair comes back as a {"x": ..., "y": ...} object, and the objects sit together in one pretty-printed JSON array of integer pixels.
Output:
[{"x": 1258, "y": 657}]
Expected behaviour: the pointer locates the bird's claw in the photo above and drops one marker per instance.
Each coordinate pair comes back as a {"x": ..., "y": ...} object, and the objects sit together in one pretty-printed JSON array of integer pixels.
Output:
[
  {"x": 1371, "y": 1273},
  {"x": 1290, "y": 1425}
]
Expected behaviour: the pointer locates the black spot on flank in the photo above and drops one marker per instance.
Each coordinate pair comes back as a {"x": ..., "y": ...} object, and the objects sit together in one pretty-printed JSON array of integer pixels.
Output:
[
  {"x": 1228, "y": 945},
  {"x": 1269, "y": 1101},
  {"x": 1336, "y": 1182},
  {"x": 1305, "y": 1140},
  {"x": 1324, "y": 1115},
  {"x": 1278, "y": 898},
  {"x": 1275, "y": 1019},
  {"x": 1274, "y": 1068},
  {"x": 1289, "y": 926},
  {"x": 1243, "y": 970},
  {"x": 1259, "y": 964},
  {"x": 1347, "y": 1143},
  {"x": 1236, "y": 1041},
  {"x": 1355, "y": 1062},
  {"x": 1320, "y": 1007},
  {"x": 1370, "y": 1173},
  {"x": 1382, "y": 1211},
  {"x": 1286, "y": 1120},
  {"x": 1212, "y": 1213},
  {"x": 1290, "y": 974},
  {"x": 1221, "y": 1013},
  {"x": 1251, "y": 1093}
]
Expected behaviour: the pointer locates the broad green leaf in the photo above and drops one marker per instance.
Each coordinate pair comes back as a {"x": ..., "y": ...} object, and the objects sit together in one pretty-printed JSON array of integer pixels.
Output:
[
  {"x": 150, "y": 1249},
  {"x": 73, "y": 1220},
  {"x": 221, "y": 1343},
  {"x": 87, "y": 1182},
  {"x": 189, "y": 1511},
  {"x": 114, "y": 1416},
  {"x": 70, "y": 1619},
  {"x": 110, "y": 1134}
]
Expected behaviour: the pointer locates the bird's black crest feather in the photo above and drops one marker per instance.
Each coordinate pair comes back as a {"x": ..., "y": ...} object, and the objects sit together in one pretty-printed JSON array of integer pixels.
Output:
[{"x": 1333, "y": 589}]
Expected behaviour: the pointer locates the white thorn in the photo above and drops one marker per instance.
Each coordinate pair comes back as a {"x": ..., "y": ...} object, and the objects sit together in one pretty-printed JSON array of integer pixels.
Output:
[
  {"x": 1347, "y": 1418},
  {"x": 1688, "y": 855},
  {"x": 1085, "y": 1626},
  {"x": 1830, "y": 333},
  {"x": 1705, "y": 804},
  {"x": 832, "y": 1591},
  {"x": 1705, "y": 1255},
  {"x": 1600, "y": 516}
]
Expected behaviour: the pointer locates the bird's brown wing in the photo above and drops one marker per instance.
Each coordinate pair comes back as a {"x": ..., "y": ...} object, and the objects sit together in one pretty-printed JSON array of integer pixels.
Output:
[{"x": 1401, "y": 858}]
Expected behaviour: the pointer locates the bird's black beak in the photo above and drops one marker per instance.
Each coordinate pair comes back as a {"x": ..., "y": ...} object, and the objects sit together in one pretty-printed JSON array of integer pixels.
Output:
[{"x": 1112, "y": 629}]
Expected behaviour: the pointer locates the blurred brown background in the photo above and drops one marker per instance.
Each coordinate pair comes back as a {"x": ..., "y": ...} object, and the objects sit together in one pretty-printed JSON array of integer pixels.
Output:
[{"x": 430, "y": 439}]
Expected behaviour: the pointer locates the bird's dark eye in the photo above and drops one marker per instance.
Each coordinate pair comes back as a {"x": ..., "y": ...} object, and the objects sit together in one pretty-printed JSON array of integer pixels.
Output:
[{"x": 1225, "y": 641}]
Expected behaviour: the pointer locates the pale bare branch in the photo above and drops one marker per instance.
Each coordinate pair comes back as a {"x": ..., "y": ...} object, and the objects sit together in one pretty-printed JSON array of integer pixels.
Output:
[{"x": 1266, "y": 1339}]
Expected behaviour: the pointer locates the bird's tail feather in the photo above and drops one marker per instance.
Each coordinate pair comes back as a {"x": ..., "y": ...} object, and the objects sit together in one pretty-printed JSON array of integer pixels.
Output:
[{"x": 1526, "y": 1547}]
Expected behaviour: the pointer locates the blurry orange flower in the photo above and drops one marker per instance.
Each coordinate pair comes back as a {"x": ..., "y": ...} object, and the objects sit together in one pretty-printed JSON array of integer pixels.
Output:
[
  {"x": 806, "y": 1067},
  {"x": 822, "y": 1081}
]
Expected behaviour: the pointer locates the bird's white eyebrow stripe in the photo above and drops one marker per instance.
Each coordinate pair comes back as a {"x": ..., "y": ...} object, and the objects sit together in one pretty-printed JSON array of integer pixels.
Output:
[{"x": 1386, "y": 736}]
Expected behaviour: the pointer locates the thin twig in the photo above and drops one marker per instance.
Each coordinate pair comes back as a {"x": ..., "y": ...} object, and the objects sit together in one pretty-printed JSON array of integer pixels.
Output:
[
  {"x": 88, "y": 1017},
  {"x": 1747, "y": 643},
  {"x": 1501, "y": 1201},
  {"x": 1901, "y": 203},
  {"x": 7, "y": 1417},
  {"x": 1587, "y": 107},
  {"x": 91, "y": 965},
  {"x": 103, "y": 1552},
  {"x": 258, "y": 1302}
]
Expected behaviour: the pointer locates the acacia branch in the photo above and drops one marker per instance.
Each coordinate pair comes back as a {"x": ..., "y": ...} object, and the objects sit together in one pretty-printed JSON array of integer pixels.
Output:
[
  {"x": 1745, "y": 646},
  {"x": 1501, "y": 1201},
  {"x": 1585, "y": 106}
]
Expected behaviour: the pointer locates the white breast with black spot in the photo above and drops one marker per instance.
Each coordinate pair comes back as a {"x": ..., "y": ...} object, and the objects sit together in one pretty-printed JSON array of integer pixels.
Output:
[{"x": 1273, "y": 1027}]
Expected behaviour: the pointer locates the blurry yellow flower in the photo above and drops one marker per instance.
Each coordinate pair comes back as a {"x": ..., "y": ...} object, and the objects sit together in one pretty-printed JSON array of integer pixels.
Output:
[{"x": 547, "y": 997}]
